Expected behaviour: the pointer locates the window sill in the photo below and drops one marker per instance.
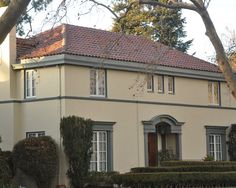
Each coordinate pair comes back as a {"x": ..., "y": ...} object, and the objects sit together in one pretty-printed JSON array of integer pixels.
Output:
[
  {"x": 98, "y": 96},
  {"x": 30, "y": 98}
]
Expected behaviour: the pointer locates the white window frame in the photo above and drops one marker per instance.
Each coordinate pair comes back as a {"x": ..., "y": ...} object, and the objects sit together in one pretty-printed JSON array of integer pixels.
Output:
[
  {"x": 96, "y": 144},
  {"x": 99, "y": 83},
  {"x": 215, "y": 147},
  {"x": 171, "y": 90},
  {"x": 160, "y": 83},
  {"x": 35, "y": 134},
  {"x": 150, "y": 82},
  {"x": 30, "y": 83},
  {"x": 212, "y": 100}
]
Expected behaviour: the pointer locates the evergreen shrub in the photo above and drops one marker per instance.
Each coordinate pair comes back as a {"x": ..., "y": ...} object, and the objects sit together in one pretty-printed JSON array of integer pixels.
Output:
[
  {"x": 77, "y": 137},
  {"x": 232, "y": 143},
  {"x": 38, "y": 158}
]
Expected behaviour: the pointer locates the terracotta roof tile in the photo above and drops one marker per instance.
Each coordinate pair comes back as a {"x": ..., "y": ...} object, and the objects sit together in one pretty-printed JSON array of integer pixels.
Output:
[{"x": 75, "y": 40}]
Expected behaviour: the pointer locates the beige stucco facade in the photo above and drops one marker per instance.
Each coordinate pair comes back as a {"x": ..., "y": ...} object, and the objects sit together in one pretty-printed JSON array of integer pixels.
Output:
[{"x": 64, "y": 89}]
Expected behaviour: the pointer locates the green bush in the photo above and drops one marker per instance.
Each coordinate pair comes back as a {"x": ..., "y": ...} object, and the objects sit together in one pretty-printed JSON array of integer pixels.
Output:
[
  {"x": 38, "y": 158},
  {"x": 195, "y": 168},
  {"x": 176, "y": 179},
  {"x": 95, "y": 179},
  {"x": 232, "y": 143},
  {"x": 77, "y": 137},
  {"x": 166, "y": 155},
  {"x": 197, "y": 163}
]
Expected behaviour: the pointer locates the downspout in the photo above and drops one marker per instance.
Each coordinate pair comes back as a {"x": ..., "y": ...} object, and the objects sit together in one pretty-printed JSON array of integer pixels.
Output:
[{"x": 137, "y": 122}]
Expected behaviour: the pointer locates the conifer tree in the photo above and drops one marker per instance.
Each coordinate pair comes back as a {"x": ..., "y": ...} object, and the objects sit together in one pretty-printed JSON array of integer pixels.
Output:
[{"x": 156, "y": 23}]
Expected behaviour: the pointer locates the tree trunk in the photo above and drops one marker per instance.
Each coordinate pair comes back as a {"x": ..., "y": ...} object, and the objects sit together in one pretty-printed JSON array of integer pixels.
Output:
[
  {"x": 222, "y": 59},
  {"x": 11, "y": 16}
]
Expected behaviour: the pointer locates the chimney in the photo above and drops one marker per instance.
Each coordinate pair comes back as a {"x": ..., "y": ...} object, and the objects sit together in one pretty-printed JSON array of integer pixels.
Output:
[{"x": 7, "y": 58}]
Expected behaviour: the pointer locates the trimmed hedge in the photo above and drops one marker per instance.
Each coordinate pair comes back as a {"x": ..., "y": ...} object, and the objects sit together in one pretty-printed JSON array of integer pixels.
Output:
[
  {"x": 176, "y": 179},
  {"x": 100, "y": 179},
  {"x": 38, "y": 158},
  {"x": 196, "y": 168},
  {"x": 198, "y": 163}
]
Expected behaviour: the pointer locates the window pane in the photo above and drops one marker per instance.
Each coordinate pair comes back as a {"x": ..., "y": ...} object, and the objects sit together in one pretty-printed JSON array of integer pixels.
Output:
[
  {"x": 213, "y": 92},
  {"x": 216, "y": 93},
  {"x": 93, "y": 82},
  {"x": 101, "y": 82},
  {"x": 170, "y": 84},
  {"x": 210, "y": 96},
  {"x": 150, "y": 82},
  {"x": 160, "y": 84}
]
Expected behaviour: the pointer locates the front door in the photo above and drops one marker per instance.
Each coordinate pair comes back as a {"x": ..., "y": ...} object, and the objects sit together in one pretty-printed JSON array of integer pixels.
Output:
[{"x": 152, "y": 149}]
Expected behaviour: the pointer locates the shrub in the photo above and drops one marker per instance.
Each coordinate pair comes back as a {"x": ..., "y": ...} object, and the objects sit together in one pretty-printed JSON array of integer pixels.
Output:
[
  {"x": 194, "y": 163},
  {"x": 38, "y": 158},
  {"x": 77, "y": 140},
  {"x": 232, "y": 143},
  {"x": 5, "y": 171},
  {"x": 176, "y": 179},
  {"x": 166, "y": 155},
  {"x": 195, "y": 168},
  {"x": 208, "y": 158}
]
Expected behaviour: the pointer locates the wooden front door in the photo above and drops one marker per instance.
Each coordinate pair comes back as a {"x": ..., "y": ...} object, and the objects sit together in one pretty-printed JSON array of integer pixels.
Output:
[{"x": 152, "y": 149}]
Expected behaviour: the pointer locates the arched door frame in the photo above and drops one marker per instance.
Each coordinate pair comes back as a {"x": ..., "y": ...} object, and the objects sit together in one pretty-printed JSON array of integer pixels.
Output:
[{"x": 175, "y": 128}]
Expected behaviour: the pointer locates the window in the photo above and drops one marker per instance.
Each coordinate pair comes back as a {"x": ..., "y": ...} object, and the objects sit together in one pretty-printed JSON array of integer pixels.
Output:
[
  {"x": 30, "y": 83},
  {"x": 216, "y": 142},
  {"x": 102, "y": 147},
  {"x": 99, "y": 156},
  {"x": 213, "y": 93},
  {"x": 35, "y": 134},
  {"x": 97, "y": 82},
  {"x": 160, "y": 84},
  {"x": 215, "y": 147},
  {"x": 171, "y": 88},
  {"x": 150, "y": 83}
]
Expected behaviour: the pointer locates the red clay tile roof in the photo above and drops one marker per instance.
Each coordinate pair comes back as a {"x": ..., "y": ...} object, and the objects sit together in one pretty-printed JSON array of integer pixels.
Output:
[{"x": 75, "y": 40}]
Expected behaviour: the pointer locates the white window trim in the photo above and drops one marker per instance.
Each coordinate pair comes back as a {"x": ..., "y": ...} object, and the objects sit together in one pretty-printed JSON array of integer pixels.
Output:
[
  {"x": 215, "y": 148},
  {"x": 37, "y": 134},
  {"x": 32, "y": 76},
  {"x": 212, "y": 93},
  {"x": 98, "y": 151},
  {"x": 97, "y": 84}
]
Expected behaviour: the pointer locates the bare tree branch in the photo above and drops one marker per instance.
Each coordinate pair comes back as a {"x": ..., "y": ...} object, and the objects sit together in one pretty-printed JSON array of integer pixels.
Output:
[
  {"x": 10, "y": 16},
  {"x": 171, "y": 5}
]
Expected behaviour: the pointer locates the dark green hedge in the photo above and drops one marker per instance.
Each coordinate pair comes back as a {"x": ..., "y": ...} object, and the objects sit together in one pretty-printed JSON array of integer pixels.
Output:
[
  {"x": 38, "y": 158},
  {"x": 195, "y": 168},
  {"x": 198, "y": 163},
  {"x": 176, "y": 179}
]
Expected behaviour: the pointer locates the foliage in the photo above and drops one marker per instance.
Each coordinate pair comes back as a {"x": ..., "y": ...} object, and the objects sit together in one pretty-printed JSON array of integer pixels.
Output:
[
  {"x": 166, "y": 155},
  {"x": 77, "y": 140},
  {"x": 38, "y": 158},
  {"x": 5, "y": 169},
  {"x": 176, "y": 179},
  {"x": 208, "y": 158},
  {"x": 197, "y": 163},
  {"x": 26, "y": 18},
  {"x": 232, "y": 143},
  {"x": 100, "y": 178},
  {"x": 195, "y": 168},
  {"x": 156, "y": 23}
]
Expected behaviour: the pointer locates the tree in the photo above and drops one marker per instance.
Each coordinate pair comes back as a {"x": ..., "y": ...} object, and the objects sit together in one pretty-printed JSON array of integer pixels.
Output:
[
  {"x": 157, "y": 23},
  {"x": 77, "y": 137}
]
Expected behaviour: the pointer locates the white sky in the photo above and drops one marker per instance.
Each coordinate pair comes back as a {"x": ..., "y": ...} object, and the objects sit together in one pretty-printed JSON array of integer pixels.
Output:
[{"x": 223, "y": 14}]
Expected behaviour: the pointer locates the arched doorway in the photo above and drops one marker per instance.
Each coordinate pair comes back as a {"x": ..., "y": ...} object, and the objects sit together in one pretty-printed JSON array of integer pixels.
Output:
[{"x": 161, "y": 134}]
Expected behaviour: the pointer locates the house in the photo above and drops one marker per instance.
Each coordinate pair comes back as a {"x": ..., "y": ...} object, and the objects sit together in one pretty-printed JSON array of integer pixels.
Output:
[{"x": 143, "y": 97}]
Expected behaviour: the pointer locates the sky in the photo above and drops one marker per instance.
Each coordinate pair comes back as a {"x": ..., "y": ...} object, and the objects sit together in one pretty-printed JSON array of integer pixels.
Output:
[{"x": 223, "y": 15}]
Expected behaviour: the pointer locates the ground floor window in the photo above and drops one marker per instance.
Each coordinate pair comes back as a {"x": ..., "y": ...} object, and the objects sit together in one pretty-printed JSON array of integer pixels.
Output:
[
  {"x": 215, "y": 147},
  {"x": 102, "y": 146},
  {"x": 216, "y": 142},
  {"x": 99, "y": 156},
  {"x": 35, "y": 134}
]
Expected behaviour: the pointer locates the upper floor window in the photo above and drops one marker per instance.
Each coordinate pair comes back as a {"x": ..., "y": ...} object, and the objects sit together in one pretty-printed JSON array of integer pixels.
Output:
[
  {"x": 160, "y": 84},
  {"x": 213, "y": 93},
  {"x": 30, "y": 83},
  {"x": 35, "y": 134},
  {"x": 150, "y": 87},
  {"x": 171, "y": 85},
  {"x": 97, "y": 82}
]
